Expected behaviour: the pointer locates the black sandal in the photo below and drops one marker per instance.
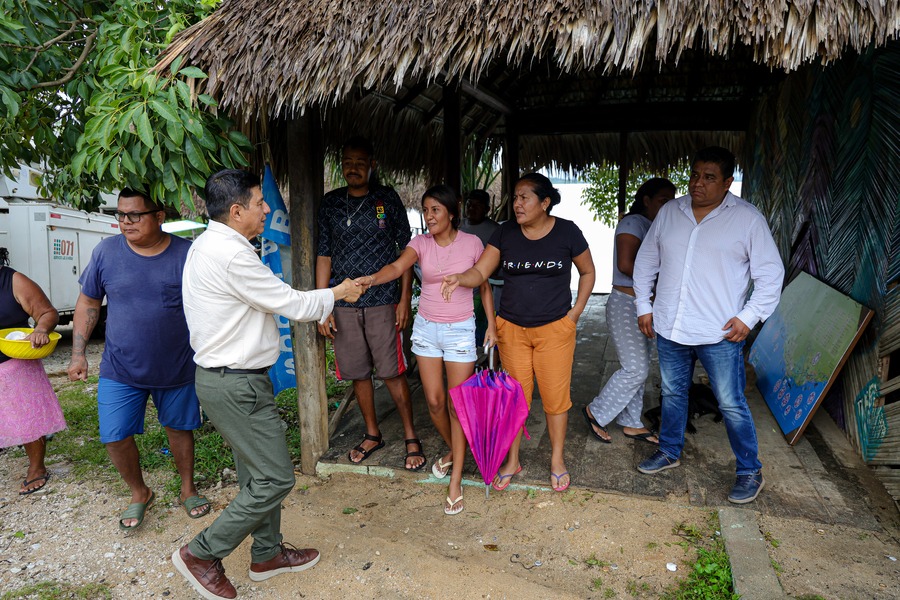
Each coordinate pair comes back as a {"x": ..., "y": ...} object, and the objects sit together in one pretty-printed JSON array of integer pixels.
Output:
[
  {"x": 417, "y": 453},
  {"x": 366, "y": 453},
  {"x": 591, "y": 421}
]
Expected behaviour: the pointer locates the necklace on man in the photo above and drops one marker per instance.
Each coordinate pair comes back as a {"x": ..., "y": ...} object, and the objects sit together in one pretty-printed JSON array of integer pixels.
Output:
[{"x": 362, "y": 202}]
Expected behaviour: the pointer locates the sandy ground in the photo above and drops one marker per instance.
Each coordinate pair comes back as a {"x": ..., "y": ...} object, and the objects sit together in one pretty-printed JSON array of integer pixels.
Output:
[{"x": 387, "y": 537}]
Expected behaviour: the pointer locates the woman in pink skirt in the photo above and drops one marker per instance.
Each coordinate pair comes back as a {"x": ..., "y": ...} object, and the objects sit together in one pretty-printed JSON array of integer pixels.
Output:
[{"x": 29, "y": 409}]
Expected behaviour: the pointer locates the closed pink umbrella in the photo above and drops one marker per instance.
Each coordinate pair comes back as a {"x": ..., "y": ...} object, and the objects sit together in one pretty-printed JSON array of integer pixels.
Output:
[{"x": 491, "y": 409}]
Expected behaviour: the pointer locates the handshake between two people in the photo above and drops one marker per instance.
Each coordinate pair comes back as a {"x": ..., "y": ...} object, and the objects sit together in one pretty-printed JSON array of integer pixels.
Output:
[
  {"x": 449, "y": 283},
  {"x": 348, "y": 290}
]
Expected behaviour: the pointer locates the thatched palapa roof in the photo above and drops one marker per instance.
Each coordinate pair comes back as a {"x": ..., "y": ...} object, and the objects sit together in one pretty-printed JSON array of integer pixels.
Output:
[{"x": 269, "y": 58}]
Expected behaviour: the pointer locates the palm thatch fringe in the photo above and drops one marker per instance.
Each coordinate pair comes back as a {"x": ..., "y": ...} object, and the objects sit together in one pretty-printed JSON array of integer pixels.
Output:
[
  {"x": 265, "y": 56},
  {"x": 822, "y": 164}
]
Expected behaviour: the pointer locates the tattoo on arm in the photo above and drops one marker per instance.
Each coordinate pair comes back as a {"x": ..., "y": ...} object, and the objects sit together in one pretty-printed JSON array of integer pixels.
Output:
[
  {"x": 79, "y": 339},
  {"x": 93, "y": 315},
  {"x": 79, "y": 343}
]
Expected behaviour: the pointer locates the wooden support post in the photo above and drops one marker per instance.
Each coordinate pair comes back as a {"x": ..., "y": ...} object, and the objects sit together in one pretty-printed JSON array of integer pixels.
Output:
[
  {"x": 510, "y": 166},
  {"x": 305, "y": 184},
  {"x": 452, "y": 137},
  {"x": 624, "y": 169}
]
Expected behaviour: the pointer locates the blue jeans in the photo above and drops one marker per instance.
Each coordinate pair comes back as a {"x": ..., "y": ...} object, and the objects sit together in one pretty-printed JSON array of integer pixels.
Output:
[{"x": 724, "y": 363}]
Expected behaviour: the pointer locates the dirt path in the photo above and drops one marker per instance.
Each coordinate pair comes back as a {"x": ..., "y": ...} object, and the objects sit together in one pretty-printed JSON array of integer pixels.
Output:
[{"x": 388, "y": 538}]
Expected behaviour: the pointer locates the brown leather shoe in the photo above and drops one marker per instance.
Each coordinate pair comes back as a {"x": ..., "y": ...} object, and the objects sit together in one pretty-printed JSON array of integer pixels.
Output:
[
  {"x": 206, "y": 576},
  {"x": 289, "y": 560}
]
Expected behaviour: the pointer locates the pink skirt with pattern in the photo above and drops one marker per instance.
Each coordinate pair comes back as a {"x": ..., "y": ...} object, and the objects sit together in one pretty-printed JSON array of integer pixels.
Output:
[{"x": 29, "y": 407}]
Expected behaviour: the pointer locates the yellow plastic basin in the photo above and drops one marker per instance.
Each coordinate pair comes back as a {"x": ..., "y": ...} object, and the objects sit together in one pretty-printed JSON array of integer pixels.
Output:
[{"x": 22, "y": 348}]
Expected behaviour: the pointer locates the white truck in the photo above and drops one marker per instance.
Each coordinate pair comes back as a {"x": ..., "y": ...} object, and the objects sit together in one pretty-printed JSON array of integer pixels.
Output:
[{"x": 50, "y": 244}]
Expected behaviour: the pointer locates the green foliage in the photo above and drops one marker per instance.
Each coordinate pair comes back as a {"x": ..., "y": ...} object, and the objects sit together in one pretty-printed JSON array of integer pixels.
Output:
[
  {"x": 80, "y": 442},
  {"x": 710, "y": 575},
  {"x": 776, "y": 566},
  {"x": 80, "y": 445},
  {"x": 52, "y": 590},
  {"x": 593, "y": 561},
  {"x": 478, "y": 172},
  {"x": 638, "y": 590},
  {"x": 602, "y": 193},
  {"x": 333, "y": 386},
  {"x": 78, "y": 94}
]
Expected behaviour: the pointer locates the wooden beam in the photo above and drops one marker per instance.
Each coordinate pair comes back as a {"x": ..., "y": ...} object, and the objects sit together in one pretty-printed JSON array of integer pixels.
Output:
[
  {"x": 434, "y": 112},
  {"x": 306, "y": 167},
  {"x": 452, "y": 138},
  {"x": 486, "y": 97},
  {"x": 482, "y": 94},
  {"x": 413, "y": 93},
  {"x": 510, "y": 167},
  {"x": 655, "y": 116}
]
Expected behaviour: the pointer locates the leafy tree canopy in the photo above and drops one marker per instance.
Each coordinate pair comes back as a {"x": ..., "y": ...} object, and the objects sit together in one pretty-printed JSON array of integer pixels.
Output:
[
  {"x": 78, "y": 94},
  {"x": 602, "y": 192}
]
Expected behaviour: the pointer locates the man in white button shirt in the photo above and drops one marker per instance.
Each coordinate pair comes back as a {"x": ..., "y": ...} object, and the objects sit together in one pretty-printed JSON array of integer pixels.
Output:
[
  {"x": 229, "y": 300},
  {"x": 702, "y": 252}
]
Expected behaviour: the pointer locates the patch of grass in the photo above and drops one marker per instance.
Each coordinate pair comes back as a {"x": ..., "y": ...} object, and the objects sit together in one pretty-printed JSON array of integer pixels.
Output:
[
  {"x": 531, "y": 494},
  {"x": 709, "y": 577},
  {"x": 609, "y": 593},
  {"x": 637, "y": 590},
  {"x": 692, "y": 532},
  {"x": 776, "y": 566},
  {"x": 652, "y": 546},
  {"x": 597, "y": 583},
  {"x": 593, "y": 561},
  {"x": 771, "y": 539},
  {"x": 810, "y": 597},
  {"x": 211, "y": 455},
  {"x": 51, "y": 590},
  {"x": 80, "y": 444},
  {"x": 333, "y": 386}
]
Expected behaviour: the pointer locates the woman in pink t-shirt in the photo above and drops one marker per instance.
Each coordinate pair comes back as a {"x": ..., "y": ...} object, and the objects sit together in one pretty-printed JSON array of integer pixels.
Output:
[{"x": 443, "y": 335}]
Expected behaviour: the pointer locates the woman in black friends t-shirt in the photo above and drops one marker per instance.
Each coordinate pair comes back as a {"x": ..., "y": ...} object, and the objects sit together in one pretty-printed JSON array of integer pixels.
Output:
[{"x": 536, "y": 322}]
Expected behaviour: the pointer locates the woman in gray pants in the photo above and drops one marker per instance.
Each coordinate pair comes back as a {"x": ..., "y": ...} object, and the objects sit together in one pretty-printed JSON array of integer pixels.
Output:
[{"x": 622, "y": 398}]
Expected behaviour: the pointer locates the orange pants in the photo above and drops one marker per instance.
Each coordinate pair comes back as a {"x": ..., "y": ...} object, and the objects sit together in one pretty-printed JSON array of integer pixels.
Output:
[{"x": 545, "y": 353}]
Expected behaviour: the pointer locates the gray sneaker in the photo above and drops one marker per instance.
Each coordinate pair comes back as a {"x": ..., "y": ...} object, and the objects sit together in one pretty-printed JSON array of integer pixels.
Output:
[{"x": 746, "y": 488}]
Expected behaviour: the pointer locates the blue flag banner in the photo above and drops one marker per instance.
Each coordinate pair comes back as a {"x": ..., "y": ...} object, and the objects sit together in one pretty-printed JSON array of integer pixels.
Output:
[{"x": 278, "y": 232}]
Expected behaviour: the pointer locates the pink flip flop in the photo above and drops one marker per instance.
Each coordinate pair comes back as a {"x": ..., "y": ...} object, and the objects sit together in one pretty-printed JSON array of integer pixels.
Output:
[
  {"x": 505, "y": 480},
  {"x": 561, "y": 488}
]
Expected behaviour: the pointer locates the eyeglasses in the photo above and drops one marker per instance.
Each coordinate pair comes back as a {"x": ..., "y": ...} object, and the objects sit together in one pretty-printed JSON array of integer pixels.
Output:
[{"x": 133, "y": 217}]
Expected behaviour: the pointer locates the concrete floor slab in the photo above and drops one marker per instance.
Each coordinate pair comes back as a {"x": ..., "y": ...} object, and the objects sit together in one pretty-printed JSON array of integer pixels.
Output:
[{"x": 806, "y": 481}]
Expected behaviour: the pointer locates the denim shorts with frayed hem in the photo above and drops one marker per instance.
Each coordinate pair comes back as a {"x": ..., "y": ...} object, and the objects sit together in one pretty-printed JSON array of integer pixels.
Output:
[{"x": 453, "y": 342}]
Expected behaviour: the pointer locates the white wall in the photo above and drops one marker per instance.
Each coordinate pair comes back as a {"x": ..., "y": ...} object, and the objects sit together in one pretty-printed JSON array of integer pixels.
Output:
[{"x": 598, "y": 235}]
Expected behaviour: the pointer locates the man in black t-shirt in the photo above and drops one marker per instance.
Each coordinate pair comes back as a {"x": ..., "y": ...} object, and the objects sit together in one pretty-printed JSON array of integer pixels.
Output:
[{"x": 362, "y": 227}]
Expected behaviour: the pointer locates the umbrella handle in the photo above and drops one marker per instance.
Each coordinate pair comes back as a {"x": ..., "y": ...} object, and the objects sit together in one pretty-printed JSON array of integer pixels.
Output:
[{"x": 489, "y": 350}]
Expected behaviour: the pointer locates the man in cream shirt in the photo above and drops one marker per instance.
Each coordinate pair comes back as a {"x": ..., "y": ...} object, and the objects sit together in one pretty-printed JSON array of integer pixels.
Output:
[{"x": 229, "y": 300}]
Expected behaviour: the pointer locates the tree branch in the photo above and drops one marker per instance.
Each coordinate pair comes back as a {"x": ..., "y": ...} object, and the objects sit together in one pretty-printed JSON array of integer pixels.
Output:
[
  {"x": 38, "y": 49},
  {"x": 70, "y": 72}
]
